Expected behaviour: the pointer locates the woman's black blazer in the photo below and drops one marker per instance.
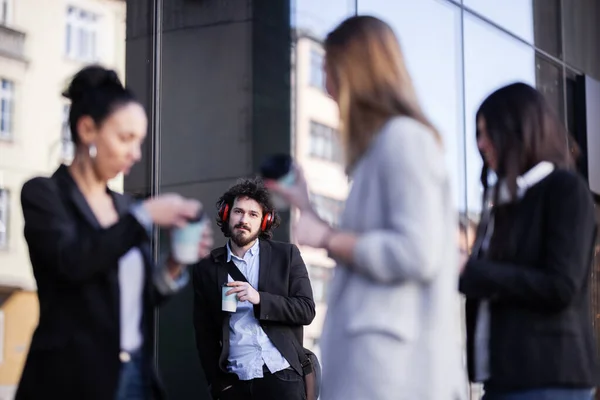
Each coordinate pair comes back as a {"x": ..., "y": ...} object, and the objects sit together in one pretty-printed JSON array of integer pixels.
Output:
[
  {"x": 74, "y": 352},
  {"x": 537, "y": 281}
]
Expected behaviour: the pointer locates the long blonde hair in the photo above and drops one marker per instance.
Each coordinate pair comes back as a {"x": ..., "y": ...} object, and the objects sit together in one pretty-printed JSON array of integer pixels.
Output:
[{"x": 365, "y": 63}]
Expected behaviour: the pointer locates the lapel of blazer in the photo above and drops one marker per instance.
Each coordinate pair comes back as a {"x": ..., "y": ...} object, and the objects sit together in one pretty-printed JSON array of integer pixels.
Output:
[
  {"x": 265, "y": 265},
  {"x": 219, "y": 257},
  {"x": 122, "y": 204},
  {"x": 64, "y": 179}
]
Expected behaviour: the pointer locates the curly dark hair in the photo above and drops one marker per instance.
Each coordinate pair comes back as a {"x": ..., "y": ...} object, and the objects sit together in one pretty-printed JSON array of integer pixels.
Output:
[{"x": 254, "y": 189}]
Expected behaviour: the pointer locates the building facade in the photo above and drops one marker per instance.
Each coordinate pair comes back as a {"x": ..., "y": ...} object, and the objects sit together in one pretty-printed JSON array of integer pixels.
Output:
[{"x": 41, "y": 45}]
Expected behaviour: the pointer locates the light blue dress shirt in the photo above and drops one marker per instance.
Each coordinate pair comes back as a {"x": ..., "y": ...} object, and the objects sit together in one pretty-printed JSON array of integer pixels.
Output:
[{"x": 249, "y": 346}]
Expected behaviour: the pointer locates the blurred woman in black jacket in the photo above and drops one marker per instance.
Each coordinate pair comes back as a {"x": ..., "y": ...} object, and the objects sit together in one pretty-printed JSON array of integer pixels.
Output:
[
  {"x": 527, "y": 283},
  {"x": 90, "y": 252}
]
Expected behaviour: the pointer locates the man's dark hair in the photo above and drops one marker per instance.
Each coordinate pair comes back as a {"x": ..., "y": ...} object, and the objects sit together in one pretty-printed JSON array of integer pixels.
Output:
[{"x": 254, "y": 189}]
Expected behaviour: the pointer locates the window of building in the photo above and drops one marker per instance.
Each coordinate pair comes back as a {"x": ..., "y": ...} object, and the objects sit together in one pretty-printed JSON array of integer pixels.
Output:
[
  {"x": 3, "y": 218},
  {"x": 317, "y": 77},
  {"x": 81, "y": 34},
  {"x": 5, "y": 12},
  {"x": 319, "y": 280},
  {"x": 324, "y": 142},
  {"x": 67, "y": 147},
  {"x": 6, "y": 108},
  {"x": 330, "y": 210}
]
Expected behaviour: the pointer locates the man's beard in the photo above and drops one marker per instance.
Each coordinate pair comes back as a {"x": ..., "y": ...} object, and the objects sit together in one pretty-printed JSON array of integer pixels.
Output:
[{"x": 241, "y": 238}]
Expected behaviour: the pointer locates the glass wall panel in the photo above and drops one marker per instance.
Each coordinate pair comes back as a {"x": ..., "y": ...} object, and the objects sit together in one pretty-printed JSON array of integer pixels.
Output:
[
  {"x": 429, "y": 33},
  {"x": 547, "y": 26},
  {"x": 516, "y": 16},
  {"x": 222, "y": 103},
  {"x": 315, "y": 120},
  {"x": 571, "y": 101},
  {"x": 492, "y": 59},
  {"x": 549, "y": 81},
  {"x": 581, "y": 27}
]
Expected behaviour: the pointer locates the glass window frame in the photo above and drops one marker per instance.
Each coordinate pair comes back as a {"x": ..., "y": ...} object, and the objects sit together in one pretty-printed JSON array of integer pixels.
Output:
[
  {"x": 324, "y": 143},
  {"x": 6, "y": 12},
  {"x": 7, "y": 102},
  {"x": 4, "y": 217},
  {"x": 67, "y": 147},
  {"x": 316, "y": 74},
  {"x": 81, "y": 34}
]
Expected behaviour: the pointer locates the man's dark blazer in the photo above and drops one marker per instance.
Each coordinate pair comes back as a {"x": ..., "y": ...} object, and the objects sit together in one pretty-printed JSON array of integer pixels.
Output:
[
  {"x": 286, "y": 304},
  {"x": 74, "y": 352},
  {"x": 536, "y": 277}
]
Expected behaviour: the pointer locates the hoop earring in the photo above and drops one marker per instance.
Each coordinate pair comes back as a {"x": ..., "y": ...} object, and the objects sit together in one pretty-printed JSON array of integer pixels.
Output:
[{"x": 93, "y": 151}]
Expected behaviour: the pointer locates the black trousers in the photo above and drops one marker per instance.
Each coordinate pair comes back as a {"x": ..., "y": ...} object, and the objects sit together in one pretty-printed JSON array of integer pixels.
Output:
[{"x": 286, "y": 384}]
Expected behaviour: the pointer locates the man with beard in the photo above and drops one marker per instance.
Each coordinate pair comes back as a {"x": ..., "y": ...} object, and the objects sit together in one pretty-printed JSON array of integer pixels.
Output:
[{"x": 252, "y": 353}]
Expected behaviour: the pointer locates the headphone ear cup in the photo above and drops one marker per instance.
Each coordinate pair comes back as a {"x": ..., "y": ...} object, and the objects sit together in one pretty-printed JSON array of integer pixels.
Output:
[
  {"x": 271, "y": 219},
  {"x": 267, "y": 221},
  {"x": 224, "y": 212}
]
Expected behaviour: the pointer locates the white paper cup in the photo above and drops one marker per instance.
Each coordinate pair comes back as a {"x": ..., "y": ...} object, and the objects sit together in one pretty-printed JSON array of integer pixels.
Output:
[
  {"x": 185, "y": 242},
  {"x": 228, "y": 303}
]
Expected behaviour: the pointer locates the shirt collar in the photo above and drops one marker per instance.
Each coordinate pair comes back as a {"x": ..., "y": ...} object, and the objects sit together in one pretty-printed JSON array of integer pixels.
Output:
[
  {"x": 524, "y": 182},
  {"x": 254, "y": 250}
]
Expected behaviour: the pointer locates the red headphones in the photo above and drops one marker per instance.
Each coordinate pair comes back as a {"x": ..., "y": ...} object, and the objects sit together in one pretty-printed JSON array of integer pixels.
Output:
[{"x": 266, "y": 223}]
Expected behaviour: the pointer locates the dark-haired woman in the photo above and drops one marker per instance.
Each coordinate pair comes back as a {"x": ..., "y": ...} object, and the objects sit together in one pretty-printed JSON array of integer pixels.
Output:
[
  {"x": 89, "y": 248},
  {"x": 529, "y": 333}
]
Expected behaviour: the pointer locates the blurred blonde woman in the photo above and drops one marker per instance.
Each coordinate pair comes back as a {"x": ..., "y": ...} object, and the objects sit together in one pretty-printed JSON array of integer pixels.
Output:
[{"x": 392, "y": 328}]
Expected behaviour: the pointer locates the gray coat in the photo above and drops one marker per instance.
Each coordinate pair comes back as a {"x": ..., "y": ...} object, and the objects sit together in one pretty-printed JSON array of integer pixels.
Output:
[{"x": 392, "y": 329}]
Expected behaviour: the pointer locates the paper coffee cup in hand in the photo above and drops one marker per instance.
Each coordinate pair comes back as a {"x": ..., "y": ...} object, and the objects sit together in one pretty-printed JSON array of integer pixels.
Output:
[
  {"x": 228, "y": 303},
  {"x": 185, "y": 241}
]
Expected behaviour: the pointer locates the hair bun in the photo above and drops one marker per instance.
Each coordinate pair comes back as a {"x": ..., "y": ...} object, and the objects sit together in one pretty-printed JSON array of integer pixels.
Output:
[{"x": 91, "y": 79}]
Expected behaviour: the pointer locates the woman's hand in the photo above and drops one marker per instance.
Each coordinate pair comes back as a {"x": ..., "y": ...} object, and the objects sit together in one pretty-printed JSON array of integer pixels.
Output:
[
  {"x": 206, "y": 243},
  {"x": 296, "y": 194},
  {"x": 310, "y": 230},
  {"x": 168, "y": 210}
]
